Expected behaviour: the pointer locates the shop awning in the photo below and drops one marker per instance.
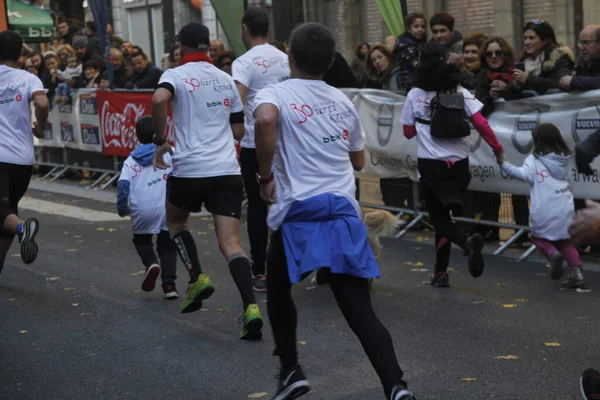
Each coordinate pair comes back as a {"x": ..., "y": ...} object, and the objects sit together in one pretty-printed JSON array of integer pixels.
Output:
[{"x": 33, "y": 24}]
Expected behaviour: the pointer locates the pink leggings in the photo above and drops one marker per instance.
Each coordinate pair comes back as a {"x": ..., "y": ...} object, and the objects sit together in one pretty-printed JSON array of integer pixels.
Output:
[{"x": 549, "y": 248}]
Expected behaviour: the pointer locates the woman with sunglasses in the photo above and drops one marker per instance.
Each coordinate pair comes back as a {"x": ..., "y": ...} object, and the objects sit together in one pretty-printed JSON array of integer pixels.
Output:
[{"x": 545, "y": 61}]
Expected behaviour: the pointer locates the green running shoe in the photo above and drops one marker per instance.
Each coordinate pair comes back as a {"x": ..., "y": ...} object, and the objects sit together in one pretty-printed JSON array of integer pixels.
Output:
[
  {"x": 253, "y": 323},
  {"x": 200, "y": 290}
]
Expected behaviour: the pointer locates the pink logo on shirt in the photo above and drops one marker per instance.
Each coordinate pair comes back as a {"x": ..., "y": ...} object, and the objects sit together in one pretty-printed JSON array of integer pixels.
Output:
[
  {"x": 543, "y": 174},
  {"x": 345, "y": 134},
  {"x": 305, "y": 110},
  {"x": 265, "y": 64},
  {"x": 226, "y": 102},
  {"x": 19, "y": 97}
]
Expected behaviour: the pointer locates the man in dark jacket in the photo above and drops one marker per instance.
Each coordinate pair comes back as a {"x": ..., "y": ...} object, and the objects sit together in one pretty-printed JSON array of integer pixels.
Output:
[
  {"x": 146, "y": 75},
  {"x": 587, "y": 72}
]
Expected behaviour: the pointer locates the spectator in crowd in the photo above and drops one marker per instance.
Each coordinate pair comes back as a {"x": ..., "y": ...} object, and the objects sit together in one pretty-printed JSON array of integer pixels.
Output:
[
  {"x": 54, "y": 44},
  {"x": 120, "y": 75},
  {"x": 91, "y": 31},
  {"x": 215, "y": 49},
  {"x": 546, "y": 62},
  {"x": 339, "y": 74},
  {"x": 63, "y": 52},
  {"x": 36, "y": 61},
  {"x": 359, "y": 69},
  {"x": 126, "y": 49},
  {"x": 472, "y": 53},
  {"x": 73, "y": 71},
  {"x": 29, "y": 67},
  {"x": 406, "y": 49},
  {"x": 174, "y": 57},
  {"x": 279, "y": 45},
  {"x": 225, "y": 61},
  {"x": 389, "y": 42},
  {"x": 587, "y": 71},
  {"x": 146, "y": 75},
  {"x": 64, "y": 30},
  {"x": 50, "y": 75},
  {"x": 86, "y": 53},
  {"x": 115, "y": 41},
  {"x": 381, "y": 67},
  {"x": 442, "y": 28},
  {"x": 91, "y": 76}
]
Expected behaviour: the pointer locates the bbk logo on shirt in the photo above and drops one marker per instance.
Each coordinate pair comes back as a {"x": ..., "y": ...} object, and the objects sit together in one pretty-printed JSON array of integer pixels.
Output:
[
  {"x": 225, "y": 103},
  {"x": 11, "y": 100},
  {"x": 336, "y": 138}
]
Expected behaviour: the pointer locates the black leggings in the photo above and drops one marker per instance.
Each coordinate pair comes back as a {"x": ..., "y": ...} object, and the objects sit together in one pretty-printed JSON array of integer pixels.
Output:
[
  {"x": 166, "y": 252},
  {"x": 14, "y": 180},
  {"x": 354, "y": 300},
  {"x": 446, "y": 231}
]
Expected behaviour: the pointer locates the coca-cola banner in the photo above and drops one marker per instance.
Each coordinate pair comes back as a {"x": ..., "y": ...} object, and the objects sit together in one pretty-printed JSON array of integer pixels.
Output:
[{"x": 118, "y": 113}]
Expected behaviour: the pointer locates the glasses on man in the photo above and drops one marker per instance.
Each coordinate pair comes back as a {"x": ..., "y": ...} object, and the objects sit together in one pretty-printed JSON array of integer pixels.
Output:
[{"x": 495, "y": 53}]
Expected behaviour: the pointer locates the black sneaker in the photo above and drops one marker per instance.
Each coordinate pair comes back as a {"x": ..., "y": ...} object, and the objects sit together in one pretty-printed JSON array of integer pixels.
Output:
[
  {"x": 474, "y": 247},
  {"x": 170, "y": 291},
  {"x": 440, "y": 279},
  {"x": 401, "y": 393},
  {"x": 259, "y": 283},
  {"x": 149, "y": 281},
  {"x": 29, "y": 248},
  {"x": 292, "y": 384},
  {"x": 590, "y": 384}
]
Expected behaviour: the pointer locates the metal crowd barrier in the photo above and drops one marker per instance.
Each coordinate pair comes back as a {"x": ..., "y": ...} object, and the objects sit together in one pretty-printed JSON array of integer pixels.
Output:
[{"x": 402, "y": 198}]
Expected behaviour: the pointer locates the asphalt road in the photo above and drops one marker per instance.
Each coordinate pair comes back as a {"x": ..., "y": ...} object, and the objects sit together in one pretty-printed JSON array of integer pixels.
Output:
[{"x": 75, "y": 325}]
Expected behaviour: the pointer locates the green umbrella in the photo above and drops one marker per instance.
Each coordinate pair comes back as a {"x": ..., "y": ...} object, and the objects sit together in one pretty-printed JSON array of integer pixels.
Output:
[{"x": 33, "y": 24}]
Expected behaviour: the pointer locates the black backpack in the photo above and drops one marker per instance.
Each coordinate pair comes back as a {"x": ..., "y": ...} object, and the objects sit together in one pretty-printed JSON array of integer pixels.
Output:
[{"x": 448, "y": 117}]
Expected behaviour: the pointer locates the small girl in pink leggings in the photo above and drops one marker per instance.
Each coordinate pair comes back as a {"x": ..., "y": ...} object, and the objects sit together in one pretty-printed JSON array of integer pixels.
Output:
[{"x": 552, "y": 208}]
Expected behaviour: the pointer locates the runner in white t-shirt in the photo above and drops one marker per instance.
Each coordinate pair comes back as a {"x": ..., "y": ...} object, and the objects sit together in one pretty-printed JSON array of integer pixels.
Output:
[
  {"x": 309, "y": 142},
  {"x": 17, "y": 89},
  {"x": 208, "y": 115},
  {"x": 141, "y": 193},
  {"x": 262, "y": 65}
]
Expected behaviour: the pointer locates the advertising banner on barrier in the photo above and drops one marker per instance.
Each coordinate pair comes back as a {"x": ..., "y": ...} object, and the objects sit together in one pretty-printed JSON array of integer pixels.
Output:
[
  {"x": 391, "y": 155},
  {"x": 118, "y": 113}
]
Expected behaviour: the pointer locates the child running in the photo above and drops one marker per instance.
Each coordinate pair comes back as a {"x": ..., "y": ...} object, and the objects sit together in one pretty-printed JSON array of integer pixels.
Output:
[
  {"x": 552, "y": 207},
  {"x": 141, "y": 194}
]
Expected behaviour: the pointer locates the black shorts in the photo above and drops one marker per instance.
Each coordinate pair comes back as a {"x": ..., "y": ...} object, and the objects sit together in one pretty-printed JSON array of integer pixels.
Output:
[
  {"x": 14, "y": 180},
  {"x": 220, "y": 195}
]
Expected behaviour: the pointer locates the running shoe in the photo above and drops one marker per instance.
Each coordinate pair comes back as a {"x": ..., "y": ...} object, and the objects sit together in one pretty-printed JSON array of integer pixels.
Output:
[
  {"x": 197, "y": 291},
  {"x": 574, "y": 278},
  {"x": 401, "y": 393},
  {"x": 556, "y": 264},
  {"x": 253, "y": 323},
  {"x": 292, "y": 384},
  {"x": 149, "y": 281},
  {"x": 29, "y": 248},
  {"x": 590, "y": 384},
  {"x": 440, "y": 279},
  {"x": 259, "y": 283},
  {"x": 170, "y": 291},
  {"x": 474, "y": 248}
]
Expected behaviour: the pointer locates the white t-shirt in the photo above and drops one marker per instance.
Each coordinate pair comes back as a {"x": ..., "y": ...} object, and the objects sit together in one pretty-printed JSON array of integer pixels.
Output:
[
  {"x": 203, "y": 101},
  {"x": 17, "y": 88},
  {"x": 147, "y": 195},
  {"x": 317, "y": 128},
  {"x": 259, "y": 67},
  {"x": 417, "y": 106}
]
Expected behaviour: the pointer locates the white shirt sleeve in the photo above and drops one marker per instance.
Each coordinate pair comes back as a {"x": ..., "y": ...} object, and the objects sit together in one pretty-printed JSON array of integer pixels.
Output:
[
  {"x": 170, "y": 77},
  {"x": 126, "y": 172},
  {"x": 356, "y": 137},
  {"x": 408, "y": 116},
  {"x": 526, "y": 173},
  {"x": 472, "y": 105},
  {"x": 267, "y": 95},
  {"x": 36, "y": 86},
  {"x": 236, "y": 100},
  {"x": 241, "y": 71}
]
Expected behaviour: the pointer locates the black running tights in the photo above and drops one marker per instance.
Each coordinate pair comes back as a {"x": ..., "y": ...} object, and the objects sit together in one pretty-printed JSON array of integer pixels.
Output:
[{"x": 354, "y": 300}]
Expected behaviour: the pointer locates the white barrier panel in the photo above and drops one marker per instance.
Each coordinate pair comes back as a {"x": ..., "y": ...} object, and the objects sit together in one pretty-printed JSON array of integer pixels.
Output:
[
  {"x": 391, "y": 155},
  {"x": 75, "y": 125}
]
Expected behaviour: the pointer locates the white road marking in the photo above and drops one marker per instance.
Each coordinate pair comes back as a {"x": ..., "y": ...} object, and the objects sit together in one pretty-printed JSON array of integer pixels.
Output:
[{"x": 65, "y": 210}]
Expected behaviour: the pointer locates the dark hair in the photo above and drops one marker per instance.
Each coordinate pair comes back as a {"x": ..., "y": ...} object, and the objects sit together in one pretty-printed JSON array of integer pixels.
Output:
[
  {"x": 92, "y": 63},
  {"x": 55, "y": 38},
  {"x": 433, "y": 72},
  {"x": 442, "y": 18},
  {"x": 360, "y": 55},
  {"x": 11, "y": 46},
  {"x": 371, "y": 71},
  {"x": 137, "y": 54},
  {"x": 144, "y": 129},
  {"x": 509, "y": 53},
  {"x": 313, "y": 48},
  {"x": 91, "y": 25},
  {"x": 475, "y": 39},
  {"x": 49, "y": 56},
  {"x": 279, "y": 46},
  {"x": 137, "y": 49},
  {"x": 228, "y": 54},
  {"x": 545, "y": 31},
  {"x": 256, "y": 20},
  {"x": 412, "y": 17},
  {"x": 547, "y": 139}
]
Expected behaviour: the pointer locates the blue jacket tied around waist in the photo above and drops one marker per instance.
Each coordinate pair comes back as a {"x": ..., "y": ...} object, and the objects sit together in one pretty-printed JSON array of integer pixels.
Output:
[{"x": 325, "y": 231}]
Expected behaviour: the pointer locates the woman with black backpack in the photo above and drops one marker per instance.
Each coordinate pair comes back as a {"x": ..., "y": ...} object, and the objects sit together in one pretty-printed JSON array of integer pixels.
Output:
[{"x": 437, "y": 111}]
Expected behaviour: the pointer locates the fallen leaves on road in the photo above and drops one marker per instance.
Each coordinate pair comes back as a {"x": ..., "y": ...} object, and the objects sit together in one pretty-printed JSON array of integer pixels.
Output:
[
  {"x": 419, "y": 264},
  {"x": 301, "y": 342},
  {"x": 311, "y": 288},
  {"x": 420, "y": 270},
  {"x": 552, "y": 344},
  {"x": 75, "y": 304},
  {"x": 468, "y": 379},
  {"x": 450, "y": 269},
  {"x": 500, "y": 284},
  {"x": 580, "y": 290},
  {"x": 257, "y": 395},
  {"x": 509, "y": 305},
  {"x": 72, "y": 250},
  {"x": 204, "y": 309},
  {"x": 425, "y": 282},
  {"x": 201, "y": 233},
  {"x": 79, "y": 241},
  {"x": 137, "y": 273},
  {"x": 521, "y": 300},
  {"x": 479, "y": 302},
  {"x": 16, "y": 255},
  {"x": 420, "y": 238},
  {"x": 542, "y": 274},
  {"x": 107, "y": 241},
  {"x": 408, "y": 263},
  {"x": 100, "y": 229},
  {"x": 54, "y": 278},
  {"x": 508, "y": 357},
  {"x": 11, "y": 299},
  {"x": 77, "y": 236},
  {"x": 23, "y": 332},
  {"x": 69, "y": 289},
  {"x": 112, "y": 230},
  {"x": 221, "y": 309}
]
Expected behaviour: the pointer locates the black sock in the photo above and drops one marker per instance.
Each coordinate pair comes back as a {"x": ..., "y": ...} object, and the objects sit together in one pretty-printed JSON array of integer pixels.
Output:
[
  {"x": 186, "y": 247},
  {"x": 239, "y": 266}
]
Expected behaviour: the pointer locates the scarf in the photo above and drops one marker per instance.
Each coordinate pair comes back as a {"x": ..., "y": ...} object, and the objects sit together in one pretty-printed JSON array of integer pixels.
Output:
[
  {"x": 501, "y": 75},
  {"x": 195, "y": 57},
  {"x": 534, "y": 65}
]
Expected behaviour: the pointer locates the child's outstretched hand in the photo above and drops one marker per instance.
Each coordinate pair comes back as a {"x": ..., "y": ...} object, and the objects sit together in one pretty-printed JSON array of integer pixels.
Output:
[
  {"x": 159, "y": 161},
  {"x": 501, "y": 158}
]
